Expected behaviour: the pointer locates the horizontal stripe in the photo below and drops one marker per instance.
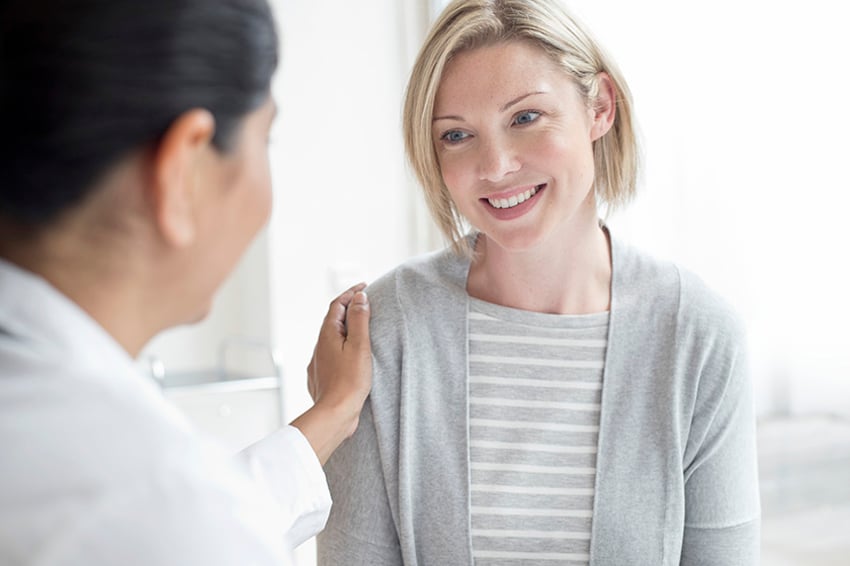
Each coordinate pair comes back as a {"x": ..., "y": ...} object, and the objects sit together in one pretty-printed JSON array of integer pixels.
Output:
[
  {"x": 496, "y": 402},
  {"x": 539, "y": 340},
  {"x": 519, "y": 382},
  {"x": 505, "y": 533},
  {"x": 530, "y": 490},
  {"x": 507, "y": 554},
  {"x": 522, "y": 512},
  {"x": 531, "y": 480},
  {"x": 559, "y": 427},
  {"x": 517, "y": 360},
  {"x": 532, "y": 447},
  {"x": 527, "y": 468},
  {"x": 480, "y": 316}
]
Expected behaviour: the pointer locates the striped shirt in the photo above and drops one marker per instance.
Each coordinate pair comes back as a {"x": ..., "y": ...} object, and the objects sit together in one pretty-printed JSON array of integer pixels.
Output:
[{"x": 535, "y": 387}]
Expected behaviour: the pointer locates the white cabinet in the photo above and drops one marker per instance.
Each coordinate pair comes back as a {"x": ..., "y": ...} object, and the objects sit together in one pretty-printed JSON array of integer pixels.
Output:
[
  {"x": 236, "y": 412},
  {"x": 238, "y": 401}
]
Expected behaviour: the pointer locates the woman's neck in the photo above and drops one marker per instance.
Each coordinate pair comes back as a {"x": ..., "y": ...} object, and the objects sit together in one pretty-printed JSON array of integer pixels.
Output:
[
  {"x": 566, "y": 274},
  {"x": 103, "y": 285}
]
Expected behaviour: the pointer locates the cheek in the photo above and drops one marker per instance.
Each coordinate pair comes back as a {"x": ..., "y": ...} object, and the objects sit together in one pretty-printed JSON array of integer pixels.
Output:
[
  {"x": 459, "y": 184},
  {"x": 572, "y": 156},
  {"x": 243, "y": 213},
  {"x": 255, "y": 199},
  {"x": 265, "y": 194},
  {"x": 456, "y": 170}
]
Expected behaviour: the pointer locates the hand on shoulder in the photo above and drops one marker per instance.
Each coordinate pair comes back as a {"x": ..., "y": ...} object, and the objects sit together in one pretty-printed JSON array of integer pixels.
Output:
[{"x": 339, "y": 373}]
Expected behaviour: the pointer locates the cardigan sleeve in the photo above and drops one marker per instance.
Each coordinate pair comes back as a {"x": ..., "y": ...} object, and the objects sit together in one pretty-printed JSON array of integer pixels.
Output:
[
  {"x": 360, "y": 530},
  {"x": 722, "y": 510}
]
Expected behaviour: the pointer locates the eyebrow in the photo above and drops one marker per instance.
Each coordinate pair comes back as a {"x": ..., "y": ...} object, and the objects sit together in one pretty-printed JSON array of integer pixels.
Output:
[
  {"x": 510, "y": 103},
  {"x": 519, "y": 99}
]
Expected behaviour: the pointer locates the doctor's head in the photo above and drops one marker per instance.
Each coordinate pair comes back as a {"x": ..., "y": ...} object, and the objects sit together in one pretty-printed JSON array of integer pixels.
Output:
[
  {"x": 136, "y": 126},
  {"x": 494, "y": 87}
]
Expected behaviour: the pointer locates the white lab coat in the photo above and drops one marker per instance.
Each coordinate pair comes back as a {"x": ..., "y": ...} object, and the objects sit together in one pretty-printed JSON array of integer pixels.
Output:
[{"x": 97, "y": 469}]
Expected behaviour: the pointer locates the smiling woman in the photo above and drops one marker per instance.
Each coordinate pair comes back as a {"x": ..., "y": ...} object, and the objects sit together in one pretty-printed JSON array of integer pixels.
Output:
[
  {"x": 509, "y": 124},
  {"x": 542, "y": 391}
]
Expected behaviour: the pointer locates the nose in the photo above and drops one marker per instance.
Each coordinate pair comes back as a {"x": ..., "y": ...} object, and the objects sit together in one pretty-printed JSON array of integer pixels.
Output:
[{"x": 497, "y": 159}]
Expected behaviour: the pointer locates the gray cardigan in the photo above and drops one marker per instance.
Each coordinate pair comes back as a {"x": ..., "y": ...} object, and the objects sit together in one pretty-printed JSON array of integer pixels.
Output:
[{"x": 676, "y": 470}]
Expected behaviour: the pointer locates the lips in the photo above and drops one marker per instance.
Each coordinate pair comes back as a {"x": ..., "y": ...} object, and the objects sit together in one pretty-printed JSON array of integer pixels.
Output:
[
  {"x": 510, "y": 199},
  {"x": 514, "y": 203},
  {"x": 513, "y": 200}
]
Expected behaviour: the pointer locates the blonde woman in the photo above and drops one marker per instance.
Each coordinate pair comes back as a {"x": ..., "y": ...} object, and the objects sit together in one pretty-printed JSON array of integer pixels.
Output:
[{"x": 543, "y": 393}]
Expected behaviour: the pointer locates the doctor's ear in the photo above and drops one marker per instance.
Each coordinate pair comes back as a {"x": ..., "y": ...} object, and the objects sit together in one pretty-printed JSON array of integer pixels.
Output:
[
  {"x": 176, "y": 163},
  {"x": 604, "y": 107}
]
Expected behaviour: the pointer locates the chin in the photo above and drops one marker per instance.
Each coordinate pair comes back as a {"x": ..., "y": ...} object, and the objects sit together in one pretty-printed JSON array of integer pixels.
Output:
[
  {"x": 518, "y": 241},
  {"x": 197, "y": 316},
  {"x": 200, "y": 316}
]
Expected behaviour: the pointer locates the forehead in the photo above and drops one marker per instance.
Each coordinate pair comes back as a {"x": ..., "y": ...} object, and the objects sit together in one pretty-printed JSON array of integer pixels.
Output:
[{"x": 491, "y": 72}]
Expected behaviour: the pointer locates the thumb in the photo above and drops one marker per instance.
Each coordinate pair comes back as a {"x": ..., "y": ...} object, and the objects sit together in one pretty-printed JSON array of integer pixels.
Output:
[{"x": 357, "y": 321}]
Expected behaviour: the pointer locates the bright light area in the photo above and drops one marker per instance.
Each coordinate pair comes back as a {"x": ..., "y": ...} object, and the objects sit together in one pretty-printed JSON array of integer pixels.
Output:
[{"x": 745, "y": 135}]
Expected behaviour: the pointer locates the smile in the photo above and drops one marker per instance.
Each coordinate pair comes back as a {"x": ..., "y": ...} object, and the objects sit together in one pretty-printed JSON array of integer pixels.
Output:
[{"x": 514, "y": 200}]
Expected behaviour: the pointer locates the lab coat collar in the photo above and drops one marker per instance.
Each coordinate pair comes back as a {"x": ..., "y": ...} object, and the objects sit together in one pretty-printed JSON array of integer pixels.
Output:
[{"x": 39, "y": 317}]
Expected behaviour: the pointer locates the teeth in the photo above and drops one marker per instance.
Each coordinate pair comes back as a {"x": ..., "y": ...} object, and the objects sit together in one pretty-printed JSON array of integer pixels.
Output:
[{"x": 514, "y": 200}]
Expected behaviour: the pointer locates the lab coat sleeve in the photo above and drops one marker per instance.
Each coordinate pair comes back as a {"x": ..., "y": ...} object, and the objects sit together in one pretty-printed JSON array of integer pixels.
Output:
[
  {"x": 201, "y": 509},
  {"x": 286, "y": 466},
  {"x": 176, "y": 515}
]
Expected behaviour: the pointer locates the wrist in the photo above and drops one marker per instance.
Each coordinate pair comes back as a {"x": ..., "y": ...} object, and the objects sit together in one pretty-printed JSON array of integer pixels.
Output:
[{"x": 326, "y": 426}]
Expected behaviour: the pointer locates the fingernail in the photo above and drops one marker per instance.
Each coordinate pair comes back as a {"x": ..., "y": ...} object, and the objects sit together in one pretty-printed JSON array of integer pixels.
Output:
[{"x": 360, "y": 298}]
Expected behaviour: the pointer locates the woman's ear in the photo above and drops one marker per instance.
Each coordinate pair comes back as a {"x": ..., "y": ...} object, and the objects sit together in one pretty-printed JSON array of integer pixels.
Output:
[
  {"x": 176, "y": 165},
  {"x": 604, "y": 107}
]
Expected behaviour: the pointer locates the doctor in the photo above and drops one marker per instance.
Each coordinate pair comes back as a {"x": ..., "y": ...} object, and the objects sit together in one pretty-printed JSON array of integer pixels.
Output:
[{"x": 133, "y": 175}]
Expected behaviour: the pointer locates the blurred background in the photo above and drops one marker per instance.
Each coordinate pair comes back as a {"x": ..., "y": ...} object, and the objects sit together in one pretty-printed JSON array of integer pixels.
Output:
[{"x": 744, "y": 127}]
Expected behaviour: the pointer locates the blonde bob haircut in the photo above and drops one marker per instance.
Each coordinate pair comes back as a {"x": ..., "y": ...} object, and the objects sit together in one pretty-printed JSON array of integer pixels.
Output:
[{"x": 469, "y": 24}]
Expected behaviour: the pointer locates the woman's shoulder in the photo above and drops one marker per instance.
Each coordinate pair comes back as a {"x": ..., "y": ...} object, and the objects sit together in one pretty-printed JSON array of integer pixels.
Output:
[
  {"x": 667, "y": 287},
  {"x": 436, "y": 275}
]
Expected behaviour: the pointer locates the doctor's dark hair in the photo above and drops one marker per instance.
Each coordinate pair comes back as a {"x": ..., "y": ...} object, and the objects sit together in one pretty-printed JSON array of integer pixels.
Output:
[{"x": 83, "y": 83}]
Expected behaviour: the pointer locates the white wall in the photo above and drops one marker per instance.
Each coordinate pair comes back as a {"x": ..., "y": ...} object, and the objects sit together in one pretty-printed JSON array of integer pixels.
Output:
[
  {"x": 343, "y": 198},
  {"x": 345, "y": 206},
  {"x": 742, "y": 110}
]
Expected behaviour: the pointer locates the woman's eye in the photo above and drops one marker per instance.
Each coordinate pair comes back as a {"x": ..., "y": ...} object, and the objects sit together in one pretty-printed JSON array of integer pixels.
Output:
[
  {"x": 454, "y": 136},
  {"x": 526, "y": 117}
]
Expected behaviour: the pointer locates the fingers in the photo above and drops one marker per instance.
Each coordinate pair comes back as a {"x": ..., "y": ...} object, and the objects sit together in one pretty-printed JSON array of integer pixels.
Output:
[
  {"x": 339, "y": 375},
  {"x": 345, "y": 298},
  {"x": 358, "y": 321},
  {"x": 334, "y": 323}
]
